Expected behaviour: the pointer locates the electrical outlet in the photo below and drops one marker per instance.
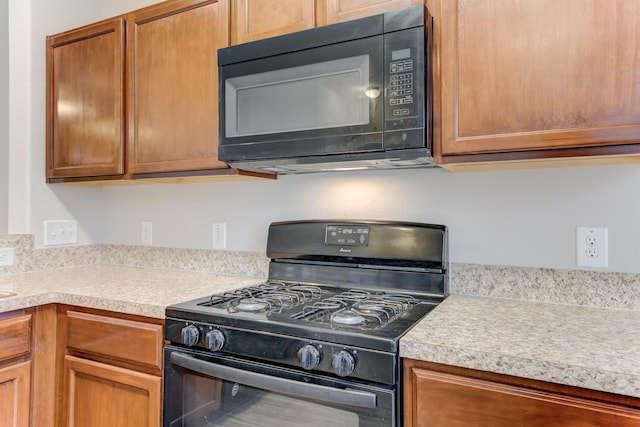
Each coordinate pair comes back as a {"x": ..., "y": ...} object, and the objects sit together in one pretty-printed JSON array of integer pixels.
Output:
[
  {"x": 6, "y": 257},
  {"x": 147, "y": 233},
  {"x": 592, "y": 247},
  {"x": 60, "y": 233},
  {"x": 219, "y": 235}
]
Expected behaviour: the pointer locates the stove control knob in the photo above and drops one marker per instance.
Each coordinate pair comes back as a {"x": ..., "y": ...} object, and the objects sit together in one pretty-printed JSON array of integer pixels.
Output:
[
  {"x": 214, "y": 340},
  {"x": 343, "y": 363},
  {"x": 309, "y": 357},
  {"x": 190, "y": 335}
]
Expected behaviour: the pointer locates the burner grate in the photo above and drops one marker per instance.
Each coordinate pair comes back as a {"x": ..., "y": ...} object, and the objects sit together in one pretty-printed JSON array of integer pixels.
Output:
[
  {"x": 357, "y": 309},
  {"x": 269, "y": 297}
]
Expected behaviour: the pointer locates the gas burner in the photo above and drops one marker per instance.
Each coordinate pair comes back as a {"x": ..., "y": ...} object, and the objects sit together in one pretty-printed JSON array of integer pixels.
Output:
[
  {"x": 251, "y": 305},
  {"x": 347, "y": 318},
  {"x": 357, "y": 308},
  {"x": 268, "y": 297}
]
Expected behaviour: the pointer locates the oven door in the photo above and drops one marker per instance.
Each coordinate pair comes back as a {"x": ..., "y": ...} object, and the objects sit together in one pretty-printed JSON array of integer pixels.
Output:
[{"x": 202, "y": 389}]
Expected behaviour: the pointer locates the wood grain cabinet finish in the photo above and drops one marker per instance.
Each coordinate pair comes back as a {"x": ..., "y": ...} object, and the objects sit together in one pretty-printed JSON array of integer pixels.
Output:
[
  {"x": 254, "y": 20},
  {"x": 519, "y": 76},
  {"x": 173, "y": 85},
  {"x": 15, "y": 337},
  {"x": 85, "y": 101},
  {"x": 101, "y": 395},
  {"x": 110, "y": 369},
  {"x": 332, "y": 11},
  {"x": 15, "y": 395},
  {"x": 123, "y": 339},
  {"x": 438, "y": 399}
]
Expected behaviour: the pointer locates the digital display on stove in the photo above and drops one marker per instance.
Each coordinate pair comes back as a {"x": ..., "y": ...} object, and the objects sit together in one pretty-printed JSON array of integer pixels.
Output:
[{"x": 347, "y": 235}]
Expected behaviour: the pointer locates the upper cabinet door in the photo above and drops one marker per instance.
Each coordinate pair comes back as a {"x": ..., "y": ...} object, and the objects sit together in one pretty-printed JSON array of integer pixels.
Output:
[
  {"x": 172, "y": 76},
  {"x": 253, "y": 20},
  {"x": 85, "y": 101},
  {"x": 520, "y": 75},
  {"x": 332, "y": 11}
]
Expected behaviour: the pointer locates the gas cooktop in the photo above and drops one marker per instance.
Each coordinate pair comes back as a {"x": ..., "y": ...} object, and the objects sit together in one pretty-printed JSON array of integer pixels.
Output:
[{"x": 311, "y": 311}]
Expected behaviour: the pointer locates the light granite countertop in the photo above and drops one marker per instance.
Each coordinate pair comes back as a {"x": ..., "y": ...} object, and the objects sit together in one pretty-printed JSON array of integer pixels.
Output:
[
  {"x": 140, "y": 291},
  {"x": 588, "y": 347},
  {"x": 594, "y": 348}
]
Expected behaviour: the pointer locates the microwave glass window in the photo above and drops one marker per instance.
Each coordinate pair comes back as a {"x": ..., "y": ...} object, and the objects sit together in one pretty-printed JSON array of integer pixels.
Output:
[{"x": 315, "y": 96}]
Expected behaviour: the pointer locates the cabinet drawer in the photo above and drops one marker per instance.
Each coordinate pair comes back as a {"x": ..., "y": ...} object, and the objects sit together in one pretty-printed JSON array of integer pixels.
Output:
[
  {"x": 127, "y": 340},
  {"x": 15, "y": 336}
]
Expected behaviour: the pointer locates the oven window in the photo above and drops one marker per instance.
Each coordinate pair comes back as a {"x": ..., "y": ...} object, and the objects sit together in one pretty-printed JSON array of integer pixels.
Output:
[
  {"x": 314, "y": 96},
  {"x": 213, "y": 402}
]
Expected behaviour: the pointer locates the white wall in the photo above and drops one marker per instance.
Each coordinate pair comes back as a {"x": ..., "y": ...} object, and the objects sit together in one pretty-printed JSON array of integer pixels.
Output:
[
  {"x": 523, "y": 218},
  {"x": 31, "y": 201},
  {"x": 4, "y": 117}
]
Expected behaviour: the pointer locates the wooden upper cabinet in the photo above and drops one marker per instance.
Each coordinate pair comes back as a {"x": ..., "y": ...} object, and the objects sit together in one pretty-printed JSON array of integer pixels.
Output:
[
  {"x": 521, "y": 75},
  {"x": 172, "y": 75},
  {"x": 85, "y": 101},
  {"x": 332, "y": 11},
  {"x": 260, "y": 19}
]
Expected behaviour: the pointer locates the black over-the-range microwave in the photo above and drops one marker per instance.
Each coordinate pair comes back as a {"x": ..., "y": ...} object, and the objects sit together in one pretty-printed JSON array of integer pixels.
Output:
[{"x": 352, "y": 95}]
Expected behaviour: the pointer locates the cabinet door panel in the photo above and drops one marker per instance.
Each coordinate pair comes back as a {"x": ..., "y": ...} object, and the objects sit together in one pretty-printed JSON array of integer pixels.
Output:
[
  {"x": 254, "y": 20},
  {"x": 450, "y": 400},
  {"x": 345, "y": 10},
  {"x": 100, "y": 395},
  {"x": 122, "y": 339},
  {"x": 522, "y": 75},
  {"x": 15, "y": 336},
  {"x": 15, "y": 395},
  {"x": 173, "y": 86},
  {"x": 85, "y": 101}
]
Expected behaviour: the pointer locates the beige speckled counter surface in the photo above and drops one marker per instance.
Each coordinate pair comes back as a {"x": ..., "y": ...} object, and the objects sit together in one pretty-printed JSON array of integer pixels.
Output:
[
  {"x": 595, "y": 348},
  {"x": 141, "y": 291}
]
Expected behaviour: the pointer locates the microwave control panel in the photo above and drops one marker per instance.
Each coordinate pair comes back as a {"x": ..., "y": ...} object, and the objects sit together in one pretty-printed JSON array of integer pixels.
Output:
[
  {"x": 404, "y": 78},
  {"x": 401, "y": 82}
]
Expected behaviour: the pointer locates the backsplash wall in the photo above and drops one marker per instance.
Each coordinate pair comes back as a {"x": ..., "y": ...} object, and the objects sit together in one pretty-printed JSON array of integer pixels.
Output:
[
  {"x": 577, "y": 287},
  {"x": 509, "y": 218}
]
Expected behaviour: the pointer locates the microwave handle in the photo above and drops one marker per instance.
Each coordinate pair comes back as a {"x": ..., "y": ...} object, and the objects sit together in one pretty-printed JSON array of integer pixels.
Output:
[{"x": 281, "y": 385}]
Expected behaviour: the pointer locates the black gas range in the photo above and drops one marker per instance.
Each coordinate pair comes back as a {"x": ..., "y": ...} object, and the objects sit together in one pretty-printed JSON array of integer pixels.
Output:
[{"x": 323, "y": 330}]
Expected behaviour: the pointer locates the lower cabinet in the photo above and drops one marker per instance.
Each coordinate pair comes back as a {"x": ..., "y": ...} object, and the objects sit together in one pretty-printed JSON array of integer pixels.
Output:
[
  {"x": 436, "y": 395},
  {"x": 15, "y": 369},
  {"x": 15, "y": 395},
  {"x": 101, "y": 395},
  {"x": 112, "y": 369},
  {"x": 71, "y": 366}
]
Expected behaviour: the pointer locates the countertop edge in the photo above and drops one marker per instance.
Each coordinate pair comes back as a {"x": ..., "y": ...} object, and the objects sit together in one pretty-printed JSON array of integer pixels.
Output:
[{"x": 532, "y": 340}]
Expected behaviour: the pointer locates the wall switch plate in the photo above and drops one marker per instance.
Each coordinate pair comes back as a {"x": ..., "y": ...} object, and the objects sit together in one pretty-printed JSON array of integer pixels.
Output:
[
  {"x": 60, "y": 233},
  {"x": 592, "y": 247},
  {"x": 6, "y": 257},
  {"x": 146, "y": 236},
  {"x": 219, "y": 235}
]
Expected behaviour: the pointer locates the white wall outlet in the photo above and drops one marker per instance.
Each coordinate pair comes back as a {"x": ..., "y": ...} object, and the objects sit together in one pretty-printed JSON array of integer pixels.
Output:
[
  {"x": 146, "y": 236},
  {"x": 6, "y": 257},
  {"x": 219, "y": 235},
  {"x": 592, "y": 247},
  {"x": 60, "y": 233}
]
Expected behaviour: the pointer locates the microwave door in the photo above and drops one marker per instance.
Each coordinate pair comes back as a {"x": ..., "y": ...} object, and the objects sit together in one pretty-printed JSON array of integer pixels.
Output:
[{"x": 325, "y": 100}]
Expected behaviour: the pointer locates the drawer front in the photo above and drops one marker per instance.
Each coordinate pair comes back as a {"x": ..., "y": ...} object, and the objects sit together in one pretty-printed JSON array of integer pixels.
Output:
[
  {"x": 127, "y": 340},
  {"x": 15, "y": 336}
]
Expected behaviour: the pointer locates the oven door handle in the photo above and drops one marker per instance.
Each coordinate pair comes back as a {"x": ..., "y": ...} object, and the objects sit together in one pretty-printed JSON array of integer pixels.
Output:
[{"x": 322, "y": 393}]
